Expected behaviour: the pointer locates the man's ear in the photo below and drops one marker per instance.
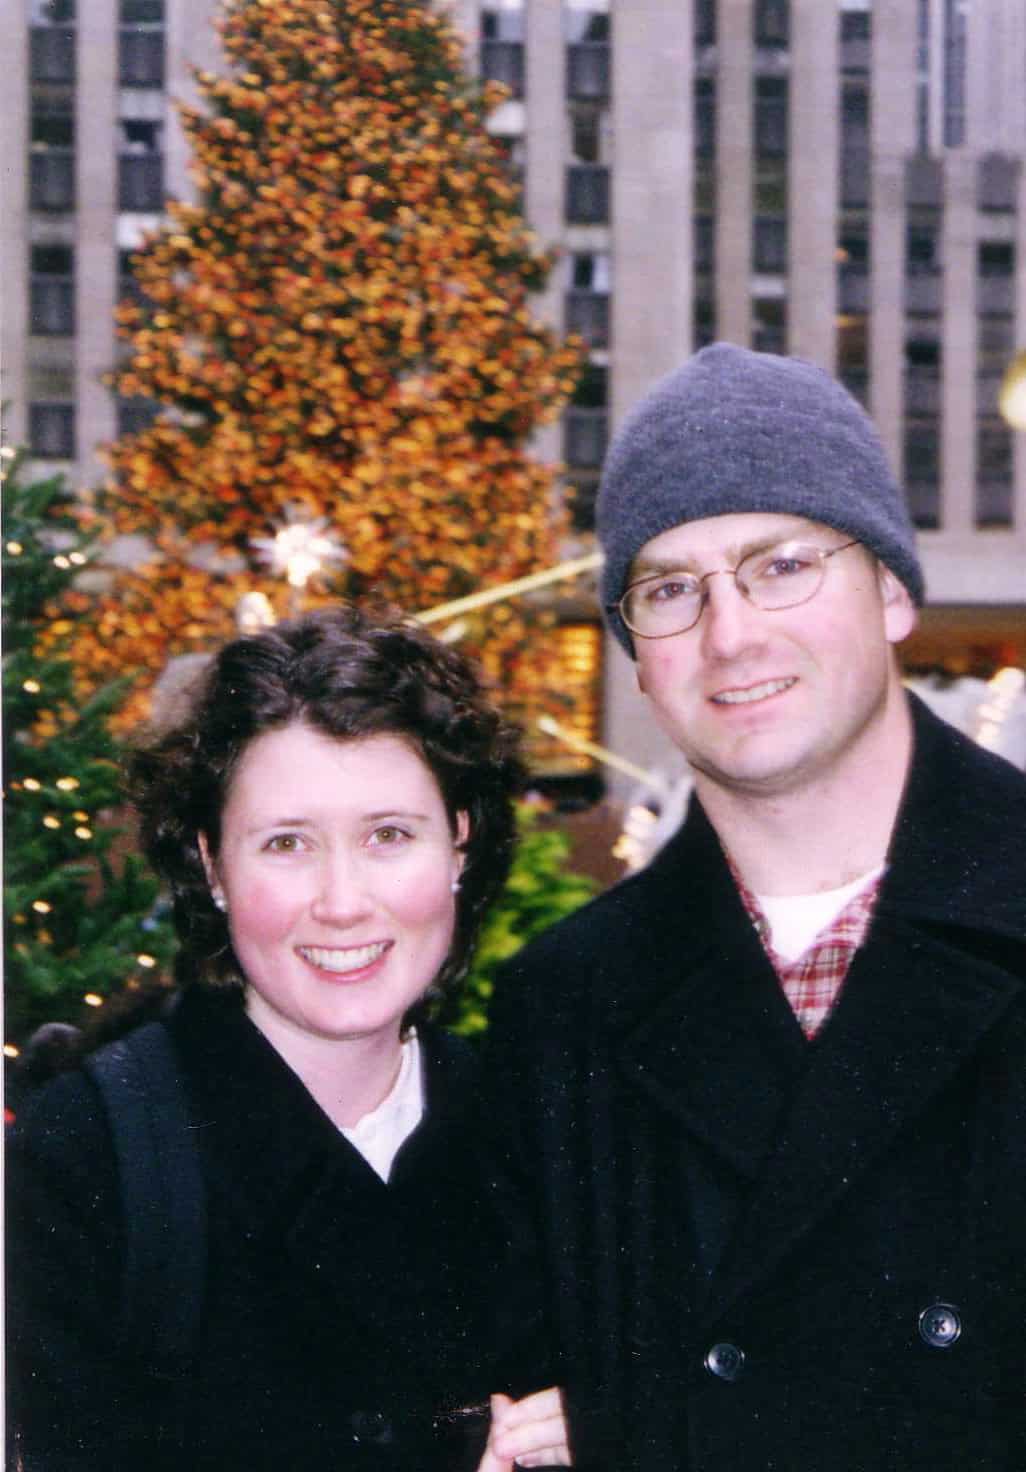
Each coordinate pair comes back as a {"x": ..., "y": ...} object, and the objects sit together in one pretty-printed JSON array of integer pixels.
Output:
[{"x": 900, "y": 613}]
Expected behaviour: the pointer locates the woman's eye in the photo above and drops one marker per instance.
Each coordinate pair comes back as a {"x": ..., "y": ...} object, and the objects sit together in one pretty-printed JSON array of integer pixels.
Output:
[
  {"x": 284, "y": 843},
  {"x": 388, "y": 835}
]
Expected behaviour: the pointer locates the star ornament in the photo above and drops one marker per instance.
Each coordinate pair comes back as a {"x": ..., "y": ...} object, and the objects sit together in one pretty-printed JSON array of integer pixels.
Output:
[{"x": 300, "y": 550}]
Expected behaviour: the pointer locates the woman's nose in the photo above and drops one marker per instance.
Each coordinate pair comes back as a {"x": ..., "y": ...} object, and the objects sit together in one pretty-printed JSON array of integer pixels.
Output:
[{"x": 341, "y": 896}]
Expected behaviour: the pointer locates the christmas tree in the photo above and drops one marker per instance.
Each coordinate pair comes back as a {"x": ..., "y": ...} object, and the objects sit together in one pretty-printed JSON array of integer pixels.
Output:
[
  {"x": 77, "y": 917},
  {"x": 540, "y": 890},
  {"x": 339, "y": 329}
]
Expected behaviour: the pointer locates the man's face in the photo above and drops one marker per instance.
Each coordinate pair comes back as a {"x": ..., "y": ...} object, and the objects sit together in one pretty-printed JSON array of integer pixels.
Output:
[{"x": 763, "y": 701}]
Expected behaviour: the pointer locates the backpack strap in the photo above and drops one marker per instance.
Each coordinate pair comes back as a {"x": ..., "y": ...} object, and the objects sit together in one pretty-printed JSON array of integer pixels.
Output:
[{"x": 140, "y": 1081}]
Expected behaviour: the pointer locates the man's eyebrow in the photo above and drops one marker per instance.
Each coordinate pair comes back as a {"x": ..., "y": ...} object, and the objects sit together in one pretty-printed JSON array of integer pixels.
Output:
[{"x": 646, "y": 567}]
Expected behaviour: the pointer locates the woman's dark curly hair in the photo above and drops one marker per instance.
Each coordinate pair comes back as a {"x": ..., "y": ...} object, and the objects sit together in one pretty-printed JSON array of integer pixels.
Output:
[{"x": 348, "y": 674}]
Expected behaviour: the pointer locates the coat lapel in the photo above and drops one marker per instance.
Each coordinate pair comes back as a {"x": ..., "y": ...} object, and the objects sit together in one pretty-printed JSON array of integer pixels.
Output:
[
  {"x": 934, "y": 976},
  {"x": 717, "y": 1046}
]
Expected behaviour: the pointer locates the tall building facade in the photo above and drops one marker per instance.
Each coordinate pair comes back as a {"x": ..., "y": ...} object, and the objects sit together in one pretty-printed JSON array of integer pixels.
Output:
[{"x": 842, "y": 179}]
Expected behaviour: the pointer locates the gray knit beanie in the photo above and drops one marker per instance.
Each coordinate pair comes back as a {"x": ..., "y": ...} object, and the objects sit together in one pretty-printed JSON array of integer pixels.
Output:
[{"x": 732, "y": 430}]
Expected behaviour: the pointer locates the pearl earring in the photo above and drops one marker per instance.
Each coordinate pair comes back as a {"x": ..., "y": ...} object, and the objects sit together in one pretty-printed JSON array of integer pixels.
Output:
[
  {"x": 220, "y": 902},
  {"x": 454, "y": 886}
]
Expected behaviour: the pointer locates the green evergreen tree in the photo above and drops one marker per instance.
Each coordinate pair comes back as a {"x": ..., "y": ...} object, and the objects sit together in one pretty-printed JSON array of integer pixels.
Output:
[
  {"x": 78, "y": 917},
  {"x": 540, "y": 890}
]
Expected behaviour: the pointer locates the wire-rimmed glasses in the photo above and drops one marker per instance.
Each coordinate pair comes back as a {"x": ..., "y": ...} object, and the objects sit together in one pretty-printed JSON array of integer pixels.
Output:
[{"x": 770, "y": 578}]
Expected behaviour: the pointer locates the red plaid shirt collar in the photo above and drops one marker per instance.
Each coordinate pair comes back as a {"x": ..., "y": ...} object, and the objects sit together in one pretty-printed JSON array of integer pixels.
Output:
[{"x": 812, "y": 983}]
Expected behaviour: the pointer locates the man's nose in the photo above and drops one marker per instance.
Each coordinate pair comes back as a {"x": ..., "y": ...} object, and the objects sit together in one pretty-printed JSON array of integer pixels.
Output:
[{"x": 729, "y": 623}]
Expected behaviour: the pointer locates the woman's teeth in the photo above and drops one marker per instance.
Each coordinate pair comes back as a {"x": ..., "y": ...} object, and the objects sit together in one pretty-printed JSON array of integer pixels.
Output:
[{"x": 354, "y": 958}]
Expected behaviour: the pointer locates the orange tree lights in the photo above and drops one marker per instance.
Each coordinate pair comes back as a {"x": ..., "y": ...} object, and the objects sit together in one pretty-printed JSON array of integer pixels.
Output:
[{"x": 338, "y": 329}]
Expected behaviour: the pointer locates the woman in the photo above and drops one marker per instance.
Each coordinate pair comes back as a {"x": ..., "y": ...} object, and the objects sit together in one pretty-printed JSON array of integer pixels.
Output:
[{"x": 332, "y": 819}]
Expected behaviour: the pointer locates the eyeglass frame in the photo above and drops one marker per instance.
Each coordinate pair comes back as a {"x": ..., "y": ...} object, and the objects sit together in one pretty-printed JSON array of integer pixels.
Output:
[{"x": 823, "y": 554}]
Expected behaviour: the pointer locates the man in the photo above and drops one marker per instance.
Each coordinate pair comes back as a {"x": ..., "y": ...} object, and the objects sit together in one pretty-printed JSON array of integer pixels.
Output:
[{"x": 768, "y": 1097}]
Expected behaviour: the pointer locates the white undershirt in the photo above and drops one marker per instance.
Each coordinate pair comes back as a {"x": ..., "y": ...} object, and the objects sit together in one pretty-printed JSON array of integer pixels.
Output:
[
  {"x": 380, "y": 1133},
  {"x": 795, "y": 920}
]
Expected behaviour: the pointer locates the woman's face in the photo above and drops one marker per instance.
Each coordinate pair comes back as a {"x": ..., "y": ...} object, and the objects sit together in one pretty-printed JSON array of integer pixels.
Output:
[{"x": 337, "y": 865}]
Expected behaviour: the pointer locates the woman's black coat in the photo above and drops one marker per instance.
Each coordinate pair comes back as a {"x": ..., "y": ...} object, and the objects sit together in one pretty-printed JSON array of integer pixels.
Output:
[
  {"x": 745, "y": 1234},
  {"x": 344, "y": 1320}
]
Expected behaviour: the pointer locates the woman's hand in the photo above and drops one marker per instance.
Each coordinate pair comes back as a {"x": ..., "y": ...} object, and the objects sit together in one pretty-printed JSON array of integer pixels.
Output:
[{"x": 527, "y": 1433}]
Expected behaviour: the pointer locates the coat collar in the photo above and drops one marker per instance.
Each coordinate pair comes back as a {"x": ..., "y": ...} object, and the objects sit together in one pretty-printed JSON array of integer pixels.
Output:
[
  {"x": 280, "y": 1171},
  {"x": 717, "y": 1043},
  {"x": 717, "y": 1046},
  {"x": 956, "y": 854}
]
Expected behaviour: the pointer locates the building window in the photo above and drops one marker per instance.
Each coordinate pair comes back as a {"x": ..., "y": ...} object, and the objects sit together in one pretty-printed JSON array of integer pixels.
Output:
[
  {"x": 770, "y": 117},
  {"x": 924, "y": 181},
  {"x": 135, "y": 415},
  {"x": 769, "y": 325},
  {"x": 923, "y": 78},
  {"x": 587, "y": 194},
  {"x": 923, "y": 270},
  {"x": 996, "y": 183},
  {"x": 140, "y": 167},
  {"x": 705, "y": 117},
  {"x": 772, "y": 22},
  {"x": 141, "y": 57},
  {"x": 587, "y": 301},
  {"x": 703, "y": 322},
  {"x": 705, "y": 22},
  {"x": 854, "y": 145},
  {"x": 995, "y": 283},
  {"x": 52, "y": 155},
  {"x": 52, "y": 431},
  {"x": 503, "y": 22},
  {"x": 770, "y": 245},
  {"x": 51, "y": 12},
  {"x": 705, "y": 243},
  {"x": 853, "y": 270},
  {"x": 587, "y": 70},
  {"x": 853, "y": 353},
  {"x": 586, "y": 21},
  {"x": 922, "y": 377},
  {"x": 128, "y": 287},
  {"x": 856, "y": 40},
  {"x": 52, "y": 54},
  {"x": 585, "y": 421},
  {"x": 954, "y": 72},
  {"x": 922, "y": 472},
  {"x": 993, "y": 473},
  {"x": 51, "y": 291}
]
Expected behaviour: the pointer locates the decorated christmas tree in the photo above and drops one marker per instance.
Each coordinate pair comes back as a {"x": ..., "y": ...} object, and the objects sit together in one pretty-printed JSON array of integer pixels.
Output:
[
  {"x": 78, "y": 917},
  {"x": 339, "y": 330}
]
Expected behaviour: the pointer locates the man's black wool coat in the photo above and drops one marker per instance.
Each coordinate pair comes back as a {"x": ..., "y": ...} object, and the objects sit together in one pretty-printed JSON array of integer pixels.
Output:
[
  {"x": 769, "y": 1255},
  {"x": 342, "y": 1319}
]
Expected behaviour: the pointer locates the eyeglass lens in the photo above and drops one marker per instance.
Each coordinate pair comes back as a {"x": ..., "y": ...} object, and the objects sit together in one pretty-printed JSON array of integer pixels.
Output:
[{"x": 774, "y": 577}]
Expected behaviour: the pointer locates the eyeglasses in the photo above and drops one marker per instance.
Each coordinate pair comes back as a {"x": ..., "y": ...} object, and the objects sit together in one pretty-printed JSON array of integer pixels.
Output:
[{"x": 771, "y": 578}]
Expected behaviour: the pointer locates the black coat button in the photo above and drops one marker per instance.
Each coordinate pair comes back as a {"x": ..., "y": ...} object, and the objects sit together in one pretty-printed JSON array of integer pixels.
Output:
[
  {"x": 940, "y": 1325},
  {"x": 371, "y": 1427},
  {"x": 725, "y": 1361}
]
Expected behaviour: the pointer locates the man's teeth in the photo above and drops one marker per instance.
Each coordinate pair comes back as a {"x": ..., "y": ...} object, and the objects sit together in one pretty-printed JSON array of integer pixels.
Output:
[
  {"x": 754, "y": 692},
  {"x": 354, "y": 958}
]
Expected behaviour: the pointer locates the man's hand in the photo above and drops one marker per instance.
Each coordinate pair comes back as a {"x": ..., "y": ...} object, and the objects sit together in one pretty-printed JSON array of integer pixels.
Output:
[{"x": 527, "y": 1433}]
